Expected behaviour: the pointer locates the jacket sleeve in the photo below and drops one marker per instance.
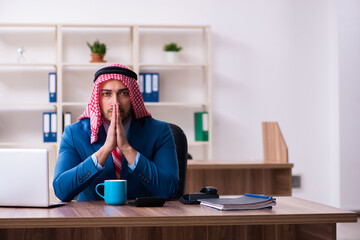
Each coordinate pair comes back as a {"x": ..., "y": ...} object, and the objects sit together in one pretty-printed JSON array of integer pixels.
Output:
[
  {"x": 161, "y": 175},
  {"x": 72, "y": 174}
]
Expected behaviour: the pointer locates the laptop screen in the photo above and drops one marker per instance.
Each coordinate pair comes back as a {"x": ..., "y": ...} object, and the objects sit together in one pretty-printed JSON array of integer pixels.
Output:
[{"x": 24, "y": 177}]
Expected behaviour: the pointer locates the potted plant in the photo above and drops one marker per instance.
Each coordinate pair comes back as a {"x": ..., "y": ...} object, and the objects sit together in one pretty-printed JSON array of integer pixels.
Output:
[
  {"x": 98, "y": 51},
  {"x": 172, "y": 52}
]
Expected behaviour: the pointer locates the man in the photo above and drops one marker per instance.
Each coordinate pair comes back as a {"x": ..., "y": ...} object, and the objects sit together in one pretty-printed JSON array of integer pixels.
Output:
[{"x": 116, "y": 137}]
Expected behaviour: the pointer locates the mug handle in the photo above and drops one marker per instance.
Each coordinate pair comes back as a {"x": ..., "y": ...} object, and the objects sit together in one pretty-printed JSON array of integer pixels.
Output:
[{"x": 97, "y": 190}]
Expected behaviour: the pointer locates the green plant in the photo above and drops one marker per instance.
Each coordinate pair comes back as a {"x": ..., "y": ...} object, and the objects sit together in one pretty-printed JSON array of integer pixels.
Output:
[
  {"x": 97, "y": 47},
  {"x": 172, "y": 47}
]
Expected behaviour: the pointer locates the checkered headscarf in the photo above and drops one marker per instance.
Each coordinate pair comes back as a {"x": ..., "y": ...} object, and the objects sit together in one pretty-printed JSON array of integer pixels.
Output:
[{"x": 93, "y": 111}]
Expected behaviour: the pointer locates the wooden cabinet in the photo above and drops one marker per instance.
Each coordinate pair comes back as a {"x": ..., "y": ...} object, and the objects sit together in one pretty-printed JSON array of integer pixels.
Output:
[{"x": 235, "y": 178}]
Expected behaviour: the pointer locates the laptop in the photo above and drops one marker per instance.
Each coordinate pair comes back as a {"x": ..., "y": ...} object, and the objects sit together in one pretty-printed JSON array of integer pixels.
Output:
[{"x": 24, "y": 178}]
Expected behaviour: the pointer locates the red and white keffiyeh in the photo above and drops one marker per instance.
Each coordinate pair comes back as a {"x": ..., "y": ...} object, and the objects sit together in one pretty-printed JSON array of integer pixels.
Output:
[{"x": 93, "y": 111}]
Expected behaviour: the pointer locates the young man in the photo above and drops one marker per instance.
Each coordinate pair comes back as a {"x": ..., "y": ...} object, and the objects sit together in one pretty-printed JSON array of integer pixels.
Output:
[{"x": 116, "y": 137}]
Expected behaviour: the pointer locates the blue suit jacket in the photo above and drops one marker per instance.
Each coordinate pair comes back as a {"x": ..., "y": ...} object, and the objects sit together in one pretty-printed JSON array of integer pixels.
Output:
[{"x": 156, "y": 174}]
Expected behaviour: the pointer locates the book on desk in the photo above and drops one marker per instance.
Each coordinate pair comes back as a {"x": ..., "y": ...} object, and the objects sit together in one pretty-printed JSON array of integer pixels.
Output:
[{"x": 246, "y": 202}]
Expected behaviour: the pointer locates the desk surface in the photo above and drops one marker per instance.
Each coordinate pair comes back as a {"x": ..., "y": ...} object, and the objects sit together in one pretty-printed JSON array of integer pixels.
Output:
[{"x": 289, "y": 210}]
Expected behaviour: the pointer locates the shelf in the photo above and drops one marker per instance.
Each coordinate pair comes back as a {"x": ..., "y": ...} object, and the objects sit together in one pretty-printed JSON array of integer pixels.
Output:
[
  {"x": 75, "y": 104},
  {"x": 195, "y": 144},
  {"x": 97, "y": 65},
  {"x": 174, "y": 26},
  {"x": 12, "y": 25},
  {"x": 95, "y": 26},
  {"x": 177, "y": 65},
  {"x": 151, "y": 104},
  {"x": 53, "y": 65},
  {"x": 145, "y": 65},
  {"x": 28, "y": 144},
  {"x": 174, "y": 104},
  {"x": 29, "y": 106}
]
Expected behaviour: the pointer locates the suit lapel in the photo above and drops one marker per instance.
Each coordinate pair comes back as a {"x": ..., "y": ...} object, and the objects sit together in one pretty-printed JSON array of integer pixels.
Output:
[
  {"x": 98, "y": 144},
  {"x": 134, "y": 141},
  {"x": 101, "y": 138},
  {"x": 134, "y": 133}
]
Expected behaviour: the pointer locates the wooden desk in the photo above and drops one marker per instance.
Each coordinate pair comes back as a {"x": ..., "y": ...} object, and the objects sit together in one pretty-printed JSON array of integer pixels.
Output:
[
  {"x": 235, "y": 178},
  {"x": 291, "y": 218}
]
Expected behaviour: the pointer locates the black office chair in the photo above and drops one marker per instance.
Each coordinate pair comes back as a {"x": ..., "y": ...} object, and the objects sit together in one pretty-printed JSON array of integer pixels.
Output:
[{"x": 182, "y": 154}]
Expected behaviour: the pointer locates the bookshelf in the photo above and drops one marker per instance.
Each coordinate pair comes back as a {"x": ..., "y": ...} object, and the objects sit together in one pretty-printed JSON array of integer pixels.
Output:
[{"x": 185, "y": 86}]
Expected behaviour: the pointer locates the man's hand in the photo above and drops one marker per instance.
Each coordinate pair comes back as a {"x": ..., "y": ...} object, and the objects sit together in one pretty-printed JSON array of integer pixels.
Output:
[
  {"x": 121, "y": 140},
  {"x": 110, "y": 142}
]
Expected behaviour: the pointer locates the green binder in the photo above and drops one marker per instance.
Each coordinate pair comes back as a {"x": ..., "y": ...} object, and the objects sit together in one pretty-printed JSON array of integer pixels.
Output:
[{"x": 201, "y": 126}]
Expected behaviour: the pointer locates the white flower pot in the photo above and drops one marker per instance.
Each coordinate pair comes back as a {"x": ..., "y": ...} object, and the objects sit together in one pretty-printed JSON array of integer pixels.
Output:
[{"x": 172, "y": 57}]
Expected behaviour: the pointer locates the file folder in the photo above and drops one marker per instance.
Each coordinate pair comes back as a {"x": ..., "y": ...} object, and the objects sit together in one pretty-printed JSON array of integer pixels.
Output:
[
  {"x": 52, "y": 86},
  {"x": 155, "y": 87},
  {"x": 148, "y": 87},
  {"x": 49, "y": 126},
  {"x": 141, "y": 84},
  {"x": 201, "y": 126},
  {"x": 53, "y": 127},
  {"x": 46, "y": 127},
  {"x": 67, "y": 119}
]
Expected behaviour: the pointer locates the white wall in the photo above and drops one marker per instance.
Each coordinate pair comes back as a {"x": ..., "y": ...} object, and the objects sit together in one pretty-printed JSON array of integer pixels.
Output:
[
  {"x": 349, "y": 85},
  {"x": 275, "y": 54},
  {"x": 272, "y": 61}
]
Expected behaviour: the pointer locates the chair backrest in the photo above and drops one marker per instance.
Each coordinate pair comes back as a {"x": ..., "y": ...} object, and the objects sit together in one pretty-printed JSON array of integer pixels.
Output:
[{"x": 182, "y": 154}]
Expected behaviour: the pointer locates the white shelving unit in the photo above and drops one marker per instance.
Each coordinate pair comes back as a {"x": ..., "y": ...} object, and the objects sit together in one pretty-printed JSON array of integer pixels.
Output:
[{"x": 185, "y": 87}]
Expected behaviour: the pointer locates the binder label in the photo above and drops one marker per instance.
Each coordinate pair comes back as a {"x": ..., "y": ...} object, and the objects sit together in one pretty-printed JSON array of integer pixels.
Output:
[
  {"x": 205, "y": 125},
  {"x": 46, "y": 123},
  {"x": 201, "y": 126},
  {"x": 52, "y": 83},
  {"x": 148, "y": 83},
  {"x": 141, "y": 82},
  {"x": 155, "y": 83},
  {"x": 67, "y": 119}
]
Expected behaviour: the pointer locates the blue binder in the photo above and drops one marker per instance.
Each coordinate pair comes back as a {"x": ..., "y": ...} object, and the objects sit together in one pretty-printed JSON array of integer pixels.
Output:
[
  {"x": 52, "y": 86},
  {"x": 155, "y": 88},
  {"x": 147, "y": 87},
  {"x": 53, "y": 127},
  {"x": 49, "y": 126},
  {"x": 66, "y": 119},
  {"x": 46, "y": 127},
  {"x": 142, "y": 84}
]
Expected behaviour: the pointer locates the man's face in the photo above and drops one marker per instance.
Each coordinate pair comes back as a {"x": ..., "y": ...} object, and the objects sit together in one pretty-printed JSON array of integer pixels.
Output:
[{"x": 111, "y": 92}]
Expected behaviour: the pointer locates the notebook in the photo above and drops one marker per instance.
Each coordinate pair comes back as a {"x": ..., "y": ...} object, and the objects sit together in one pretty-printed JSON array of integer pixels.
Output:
[
  {"x": 240, "y": 203},
  {"x": 24, "y": 178}
]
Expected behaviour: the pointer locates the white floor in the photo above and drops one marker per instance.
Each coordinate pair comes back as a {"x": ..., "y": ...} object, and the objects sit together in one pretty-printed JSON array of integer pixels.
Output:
[{"x": 348, "y": 231}]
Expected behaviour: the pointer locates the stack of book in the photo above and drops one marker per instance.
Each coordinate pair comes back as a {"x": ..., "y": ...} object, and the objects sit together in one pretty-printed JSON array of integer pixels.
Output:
[{"x": 245, "y": 202}]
